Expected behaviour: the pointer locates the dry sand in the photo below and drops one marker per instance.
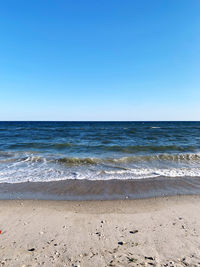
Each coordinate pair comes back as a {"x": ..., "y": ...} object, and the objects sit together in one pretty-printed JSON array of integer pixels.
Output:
[{"x": 149, "y": 232}]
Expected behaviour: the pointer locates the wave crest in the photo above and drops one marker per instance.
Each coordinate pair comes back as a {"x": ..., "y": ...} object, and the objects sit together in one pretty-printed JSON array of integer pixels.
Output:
[
  {"x": 187, "y": 158},
  {"x": 79, "y": 161}
]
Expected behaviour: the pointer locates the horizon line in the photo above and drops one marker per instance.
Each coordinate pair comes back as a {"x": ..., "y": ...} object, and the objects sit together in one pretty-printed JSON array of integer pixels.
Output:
[{"x": 100, "y": 121}]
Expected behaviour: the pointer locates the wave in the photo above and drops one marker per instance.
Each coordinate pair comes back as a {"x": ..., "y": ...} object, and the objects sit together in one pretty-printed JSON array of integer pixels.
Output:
[
  {"x": 152, "y": 172},
  {"x": 45, "y": 174},
  {"x": 5, "y": 154},
  {"x": 185, "y": 158},
  {"x": 24, "y": 159},
  {"x": 62, "y": 145},
  {"x": 189, "y": 157},
  {"x": 65, "y": 160},
  {"x": 150, "y": 148},
  {"x": 80, "y": 161},
  {"x": 103, "y": 147},
  {"x": 41, "y": 145}
]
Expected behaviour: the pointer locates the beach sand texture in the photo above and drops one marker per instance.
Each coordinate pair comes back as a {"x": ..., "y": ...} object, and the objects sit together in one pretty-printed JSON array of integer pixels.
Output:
[{"x": 145, "y": 232}]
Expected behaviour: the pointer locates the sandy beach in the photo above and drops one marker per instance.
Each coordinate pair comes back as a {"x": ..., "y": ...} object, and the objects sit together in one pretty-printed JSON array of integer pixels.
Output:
[{"x": 144, "y": 232}]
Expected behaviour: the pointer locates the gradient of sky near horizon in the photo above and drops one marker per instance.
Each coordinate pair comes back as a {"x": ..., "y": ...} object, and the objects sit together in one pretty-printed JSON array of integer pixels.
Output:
[{"x": 100, "y": 60}]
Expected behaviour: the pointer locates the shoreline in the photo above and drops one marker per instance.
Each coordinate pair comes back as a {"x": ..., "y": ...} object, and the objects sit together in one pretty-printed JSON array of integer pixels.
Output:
[
  {"x": 140, "y": 232},
  {"x": 101, "y": 189}
]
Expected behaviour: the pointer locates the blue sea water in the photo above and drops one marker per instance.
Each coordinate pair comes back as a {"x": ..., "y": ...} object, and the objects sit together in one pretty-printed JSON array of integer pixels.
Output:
[{"x": 50, "y": 151}]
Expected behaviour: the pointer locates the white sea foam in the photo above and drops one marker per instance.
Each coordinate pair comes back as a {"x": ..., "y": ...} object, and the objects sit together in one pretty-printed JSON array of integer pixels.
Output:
[
  {"x": 35, "y": 168},
  {"x": 147, "y": 173},
  {"x": 45, "y": 173}
]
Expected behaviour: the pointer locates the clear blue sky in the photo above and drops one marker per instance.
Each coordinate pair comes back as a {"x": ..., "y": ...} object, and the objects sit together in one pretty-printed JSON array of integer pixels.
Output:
[{"x": 100, "y": 60}]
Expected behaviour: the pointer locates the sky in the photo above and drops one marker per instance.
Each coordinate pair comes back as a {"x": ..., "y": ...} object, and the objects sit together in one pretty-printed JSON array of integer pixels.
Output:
[{"x": 100, "y": 60}]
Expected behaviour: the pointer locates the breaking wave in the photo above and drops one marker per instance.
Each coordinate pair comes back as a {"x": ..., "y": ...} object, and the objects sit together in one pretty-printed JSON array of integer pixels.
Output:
[{"x": 187, "y": 158}]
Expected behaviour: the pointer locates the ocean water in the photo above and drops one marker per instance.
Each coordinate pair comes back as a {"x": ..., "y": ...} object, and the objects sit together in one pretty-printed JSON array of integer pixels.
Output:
[{"x": 51, "y": 151}]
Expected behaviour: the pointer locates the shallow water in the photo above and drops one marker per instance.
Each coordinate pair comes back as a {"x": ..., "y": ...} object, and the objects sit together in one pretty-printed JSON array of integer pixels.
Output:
[{"x": 50, "y": 151}]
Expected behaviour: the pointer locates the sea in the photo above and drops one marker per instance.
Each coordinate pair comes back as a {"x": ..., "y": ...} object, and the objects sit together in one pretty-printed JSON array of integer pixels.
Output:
[{"x": 54, "y": 151}]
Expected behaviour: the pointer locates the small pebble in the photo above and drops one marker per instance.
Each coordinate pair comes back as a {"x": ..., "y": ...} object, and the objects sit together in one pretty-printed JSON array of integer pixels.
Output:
[
  {"x": 149, "y": 258},
  {"x": 31, "y": 249},
  {"x": 98, "y": 233},
  {"x": 133, "y": 232}
]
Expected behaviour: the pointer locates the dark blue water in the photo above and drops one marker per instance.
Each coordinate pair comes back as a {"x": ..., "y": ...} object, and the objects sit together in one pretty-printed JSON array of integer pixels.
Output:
[{"x": 48, "y": 151}]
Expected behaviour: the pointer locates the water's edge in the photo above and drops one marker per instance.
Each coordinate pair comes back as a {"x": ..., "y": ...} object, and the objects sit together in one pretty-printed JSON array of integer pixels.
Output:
[{"x": 101, "y": 190}]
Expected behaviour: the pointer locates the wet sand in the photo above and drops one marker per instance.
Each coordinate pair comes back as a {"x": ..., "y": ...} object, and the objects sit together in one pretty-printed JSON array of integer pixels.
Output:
[
  {"x": 101, "y": 190},
  {"x": 143, "y": 232}
]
